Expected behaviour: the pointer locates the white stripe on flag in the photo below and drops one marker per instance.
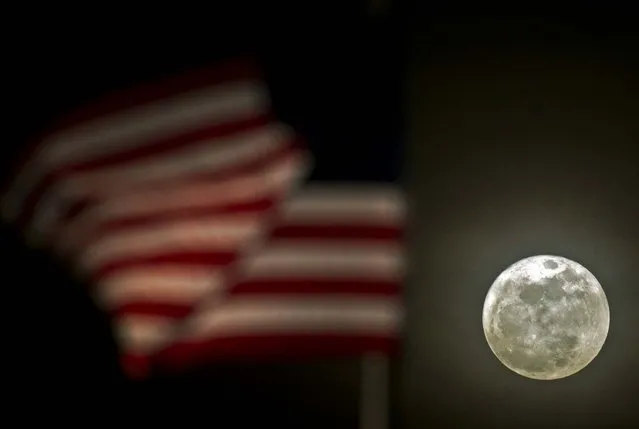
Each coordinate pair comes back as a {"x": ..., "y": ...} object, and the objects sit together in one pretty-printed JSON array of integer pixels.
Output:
[
  {"x": 345, "y": 204},
  {"x": 294, "y": 314},
  {"x": 143, "y": 334},
  {"x": 291, "y": 258},
  {"x": 220, "y": 233},
  {"x": 176, "y": 284}
]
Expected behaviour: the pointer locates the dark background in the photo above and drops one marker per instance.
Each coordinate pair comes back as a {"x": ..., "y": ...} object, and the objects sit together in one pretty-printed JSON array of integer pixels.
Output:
[{"x": 520, "y": 132}]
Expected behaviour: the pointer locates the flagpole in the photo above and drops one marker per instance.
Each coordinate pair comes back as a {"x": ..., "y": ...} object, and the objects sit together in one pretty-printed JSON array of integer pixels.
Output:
[{"x": 374, "y": 410}]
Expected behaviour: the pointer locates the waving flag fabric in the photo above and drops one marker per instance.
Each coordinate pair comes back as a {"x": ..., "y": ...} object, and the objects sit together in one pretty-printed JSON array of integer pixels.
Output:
[
  {"x": 326, "y": 281},
  {"x": 191, "y": 214}
]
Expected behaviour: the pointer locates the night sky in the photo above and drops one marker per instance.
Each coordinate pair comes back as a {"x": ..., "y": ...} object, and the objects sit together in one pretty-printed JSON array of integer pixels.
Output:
[
  {"x": 520, "y": 136},
  {"x": 523, "y": 141}
]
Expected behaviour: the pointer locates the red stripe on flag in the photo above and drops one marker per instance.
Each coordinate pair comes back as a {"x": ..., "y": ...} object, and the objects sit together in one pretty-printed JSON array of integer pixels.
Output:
[
  {"x": 192, "y": 258},
  {"x": 190, "y": 213},
  {"x": 148, "y": 308}
]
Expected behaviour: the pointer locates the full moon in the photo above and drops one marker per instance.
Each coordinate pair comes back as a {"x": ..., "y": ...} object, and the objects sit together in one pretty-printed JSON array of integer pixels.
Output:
[{"x": 546, "y": 317}]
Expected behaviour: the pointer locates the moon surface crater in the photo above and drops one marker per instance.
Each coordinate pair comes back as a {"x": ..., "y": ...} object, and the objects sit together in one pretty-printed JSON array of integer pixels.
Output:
[{"x": 546, "y": 317}]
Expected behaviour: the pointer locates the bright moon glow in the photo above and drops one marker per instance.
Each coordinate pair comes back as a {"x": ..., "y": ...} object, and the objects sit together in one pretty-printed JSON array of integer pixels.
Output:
[{"x": 546, "y": 317}]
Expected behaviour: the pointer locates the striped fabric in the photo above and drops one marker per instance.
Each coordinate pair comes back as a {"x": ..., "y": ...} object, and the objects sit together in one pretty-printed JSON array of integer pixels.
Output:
[{"x": 185, "y": 207}]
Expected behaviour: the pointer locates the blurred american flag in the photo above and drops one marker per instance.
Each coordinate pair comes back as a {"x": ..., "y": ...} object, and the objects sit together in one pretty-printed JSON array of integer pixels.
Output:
[{"x": 187, "y": 208}]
